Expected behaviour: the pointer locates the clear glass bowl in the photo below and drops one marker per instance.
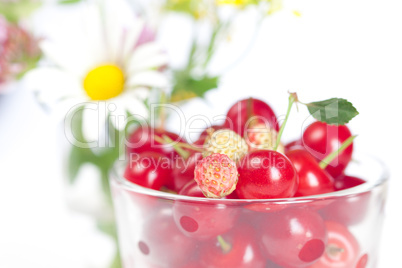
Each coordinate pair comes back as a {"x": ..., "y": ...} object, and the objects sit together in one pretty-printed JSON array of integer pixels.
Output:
[{"x": 159, "y": 229}]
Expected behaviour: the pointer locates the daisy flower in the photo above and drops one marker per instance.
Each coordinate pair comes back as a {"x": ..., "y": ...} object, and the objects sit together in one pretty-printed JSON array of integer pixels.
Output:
[{"x": 110, "y": 57}]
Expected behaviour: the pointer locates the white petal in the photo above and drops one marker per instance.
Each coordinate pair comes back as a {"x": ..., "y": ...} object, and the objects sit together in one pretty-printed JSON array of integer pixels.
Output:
[
  {"x": 52, "y": 85},
  {"x": 140, "y": 93},
  {"x": 122, "y": 30},
  {"x": 74, "y": 62},
  {"x": 143, "y": 53},
  {"x": 94, "y": 40},
  {"x": 94, "y": 124},
  {"x": 131, "y": 101},
  {"x": 152, "y": 62},
  {"x": 118, "y": 117},
  {"x": 136, "y": 104},
  {"x": 148, "y": 78},
  {"x": 114, "y": 38},
  {"x": 131, "y": 37}
]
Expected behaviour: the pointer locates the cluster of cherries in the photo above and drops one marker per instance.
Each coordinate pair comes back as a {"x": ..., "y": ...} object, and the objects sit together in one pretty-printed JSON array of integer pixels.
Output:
[{"x": 223, "y": 231}]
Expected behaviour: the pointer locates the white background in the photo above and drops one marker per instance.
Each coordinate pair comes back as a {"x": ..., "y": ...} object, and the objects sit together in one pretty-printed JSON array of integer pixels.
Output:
[{"x": 349, "y": 49}]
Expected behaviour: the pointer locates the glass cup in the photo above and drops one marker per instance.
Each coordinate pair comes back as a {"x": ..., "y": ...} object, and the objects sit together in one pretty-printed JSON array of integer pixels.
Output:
[{"x": 159, "y": 229}]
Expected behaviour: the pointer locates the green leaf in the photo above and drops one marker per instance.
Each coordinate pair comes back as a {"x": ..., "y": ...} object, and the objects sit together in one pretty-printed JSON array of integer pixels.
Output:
[
  {"x": 14, "y": 11},
  {"x": 63, "y": 2},
  {"x": 333, "y": 111},
  {"x": 188, "y": 87},
  {"x": 110, "y": 229},
  {"x": 202, "y": 86},
  {"x": 78, "y": 157},
  {"x": 191, "y": 7}
]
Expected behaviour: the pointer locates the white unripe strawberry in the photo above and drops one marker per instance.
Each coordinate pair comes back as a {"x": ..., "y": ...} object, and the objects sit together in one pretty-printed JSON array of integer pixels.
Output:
[
  {"x": 225, "y": 141},
  {"x": 262, "y": 137}
]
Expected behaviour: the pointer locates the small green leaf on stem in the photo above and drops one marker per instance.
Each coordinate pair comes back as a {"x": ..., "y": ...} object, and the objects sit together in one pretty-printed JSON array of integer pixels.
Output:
[
  {"x": 325, "y": 162},
  {"x": 335, "y": 111}
]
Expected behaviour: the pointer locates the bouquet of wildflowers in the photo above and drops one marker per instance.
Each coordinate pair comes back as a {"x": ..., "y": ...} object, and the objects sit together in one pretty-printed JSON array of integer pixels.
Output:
[{"x": 108, "y": 80}]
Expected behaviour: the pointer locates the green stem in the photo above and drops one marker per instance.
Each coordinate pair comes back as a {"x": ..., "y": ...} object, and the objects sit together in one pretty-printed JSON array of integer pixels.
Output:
[
  {"x": 178, "y": 146},
  {"x": 226, "y": 247},
  {"x": 178, "y": 149},
  {"x": 333, "y": 251},
  {"x": 292, "y": 99},
  {"x": 325, "y": 162},
  {"x": 211, "y": 46},
  {"x": 162, "y": 112},
  {"x": 189, "y": 146},
  {"x": 190, "y": 63}
]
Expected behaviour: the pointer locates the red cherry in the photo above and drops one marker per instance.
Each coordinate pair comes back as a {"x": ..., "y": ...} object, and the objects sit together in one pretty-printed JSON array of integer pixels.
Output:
[
  {"x": 312, "y": 179},
  {"x": 294, "y": 237},
  {"x": 266, "y": 174},
  {"x": 347, "y": 210},
  {"x": 193, "y": 264},
  {"x": 183, "y": 170},
  {"x": 150, "y": 169},
  {"x": 362, "y": 263},
  {"x": 271, "y": 264},
  {"x": 268, "y": 207},
  {"x": 244, "y": 110},
  {"x": 233, "y": 195},
  {"x": 239, "y": 249},
  {"x": 142, "y": 140},
  {"x": 203, "y": 219},
  {"x": 163, "y": 244},
  {"x": 321, "y": 139},
  {"x": 191, "y": 189},
  {"x": 356, "y": 204},
  {"x": 345, "y": 182},
  {"x": 200, "y": 142},
  {"x": 296, "y": 144},
  {"x": 342, "y": 249}
]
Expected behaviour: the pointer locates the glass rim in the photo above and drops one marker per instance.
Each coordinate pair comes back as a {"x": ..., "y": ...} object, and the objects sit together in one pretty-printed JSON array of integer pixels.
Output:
[{"x": 360, "y": 189}]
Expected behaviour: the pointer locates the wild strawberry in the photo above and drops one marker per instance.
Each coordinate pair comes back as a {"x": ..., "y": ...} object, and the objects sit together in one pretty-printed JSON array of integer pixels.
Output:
[
  {"x": 216, "y": 175},
  {"x": 262, "y": 137},
  {"x": 225, "y": 141}
]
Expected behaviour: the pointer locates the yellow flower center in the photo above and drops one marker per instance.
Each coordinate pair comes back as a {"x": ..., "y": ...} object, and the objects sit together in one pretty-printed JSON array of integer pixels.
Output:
[{"x": 104, "y": 82}]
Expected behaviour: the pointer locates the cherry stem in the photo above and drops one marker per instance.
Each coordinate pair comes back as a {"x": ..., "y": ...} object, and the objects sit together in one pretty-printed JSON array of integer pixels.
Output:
[
  {"x": 249, "y": 108},
  {"x": 325, "y": 162},
  {"x": 183, "y": 144},
  {"x": 333, "y": 251},
  {"x": 292, "y": 99},
  {"x": 166, "y": 140},
  {"x": 226, "y": 247},
  {"x": 177, "y": 146},
  {"x": 167, "y": 190}
]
